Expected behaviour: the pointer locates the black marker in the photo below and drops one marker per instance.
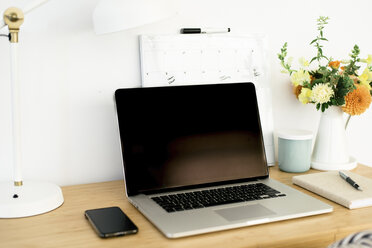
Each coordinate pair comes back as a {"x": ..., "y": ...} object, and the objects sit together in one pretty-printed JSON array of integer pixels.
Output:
[
  {"x": 350, "y": 181},
  {"x": 204, "y": 30}
]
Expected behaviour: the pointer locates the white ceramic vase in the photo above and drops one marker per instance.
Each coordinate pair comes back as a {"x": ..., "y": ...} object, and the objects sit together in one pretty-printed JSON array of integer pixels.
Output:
[{"x": 331, "y": 149}]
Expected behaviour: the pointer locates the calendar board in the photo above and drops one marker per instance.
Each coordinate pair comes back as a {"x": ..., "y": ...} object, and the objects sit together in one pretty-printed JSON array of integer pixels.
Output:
[{"x": 170, "y": 60}]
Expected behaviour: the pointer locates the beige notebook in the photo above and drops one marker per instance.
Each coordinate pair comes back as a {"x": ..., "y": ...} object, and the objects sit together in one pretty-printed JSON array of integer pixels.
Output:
[{"x": 330, "y": 185}]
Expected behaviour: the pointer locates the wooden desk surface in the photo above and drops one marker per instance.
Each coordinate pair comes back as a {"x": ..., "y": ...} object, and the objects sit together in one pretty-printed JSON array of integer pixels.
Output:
[{"x": 67, "y": 227}]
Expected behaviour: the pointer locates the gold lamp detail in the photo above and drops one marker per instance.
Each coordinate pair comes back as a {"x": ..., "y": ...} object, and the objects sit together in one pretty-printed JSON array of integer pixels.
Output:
[{"x": 13, "y": 17}]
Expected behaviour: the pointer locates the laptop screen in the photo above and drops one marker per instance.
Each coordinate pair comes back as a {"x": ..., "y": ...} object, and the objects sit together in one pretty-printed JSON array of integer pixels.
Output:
[{"x": 180, "y": 136}]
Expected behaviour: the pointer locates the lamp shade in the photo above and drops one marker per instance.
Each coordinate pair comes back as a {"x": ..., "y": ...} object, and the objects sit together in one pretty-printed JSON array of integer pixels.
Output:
[{"x": 116, "y": 15}]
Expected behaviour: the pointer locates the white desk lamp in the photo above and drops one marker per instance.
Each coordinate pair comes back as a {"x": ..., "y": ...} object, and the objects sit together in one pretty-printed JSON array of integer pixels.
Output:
[
  {"x": 26, "y": 198},
  {"x": 22, "y": 198}
]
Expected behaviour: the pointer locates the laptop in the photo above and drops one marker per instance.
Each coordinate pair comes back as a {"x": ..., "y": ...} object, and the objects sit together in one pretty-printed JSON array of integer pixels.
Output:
[{"x": 194, "y": 160}]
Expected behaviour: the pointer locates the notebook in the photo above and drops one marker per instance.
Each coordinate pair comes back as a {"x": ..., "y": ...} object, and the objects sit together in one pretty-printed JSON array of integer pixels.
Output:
[
  {"x": 331, "y": 186},
  {"x": 194, "y": 160}
]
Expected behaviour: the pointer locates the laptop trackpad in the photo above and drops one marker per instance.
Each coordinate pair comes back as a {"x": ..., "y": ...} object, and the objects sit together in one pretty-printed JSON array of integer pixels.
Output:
[{"x": 244, "y": 212}]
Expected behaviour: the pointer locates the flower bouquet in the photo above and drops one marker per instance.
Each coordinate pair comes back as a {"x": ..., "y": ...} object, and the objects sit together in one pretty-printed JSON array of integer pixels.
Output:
[
  {"x": 333, "y": 82},
  {"x": 334, "y": 87}
]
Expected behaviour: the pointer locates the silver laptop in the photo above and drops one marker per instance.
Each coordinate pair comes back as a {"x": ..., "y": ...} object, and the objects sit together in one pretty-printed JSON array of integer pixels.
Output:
[{"x": 194, "y": 160}]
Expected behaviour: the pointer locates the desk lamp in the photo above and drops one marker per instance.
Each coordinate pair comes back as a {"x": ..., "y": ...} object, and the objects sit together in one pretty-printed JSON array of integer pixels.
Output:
[{"x": 22, "y": 198}]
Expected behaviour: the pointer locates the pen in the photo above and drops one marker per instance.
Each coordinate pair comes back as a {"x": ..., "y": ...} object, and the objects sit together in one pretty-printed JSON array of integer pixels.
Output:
[
  {"x": 204, "y": 30},
  {"x": 350, "y": 181}
]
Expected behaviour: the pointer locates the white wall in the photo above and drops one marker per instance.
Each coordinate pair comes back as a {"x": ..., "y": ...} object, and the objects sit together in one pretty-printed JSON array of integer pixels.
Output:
[{"x": 69, "y": 75}]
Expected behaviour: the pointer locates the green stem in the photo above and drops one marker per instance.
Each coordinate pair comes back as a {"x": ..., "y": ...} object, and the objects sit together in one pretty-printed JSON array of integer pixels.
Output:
[{"x": 347, "y": 121}]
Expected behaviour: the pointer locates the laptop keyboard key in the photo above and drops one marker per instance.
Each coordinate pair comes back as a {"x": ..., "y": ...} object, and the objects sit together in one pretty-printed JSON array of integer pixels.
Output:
[{"x": 214, "y": 197}]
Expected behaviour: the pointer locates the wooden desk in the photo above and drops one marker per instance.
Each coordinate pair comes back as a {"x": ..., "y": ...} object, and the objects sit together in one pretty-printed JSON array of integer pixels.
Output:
[{"x": 67, "y": 227}]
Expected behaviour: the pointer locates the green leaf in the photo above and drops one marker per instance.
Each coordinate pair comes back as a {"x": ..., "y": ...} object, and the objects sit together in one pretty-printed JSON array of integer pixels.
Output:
[{"x": 307, "y": 85}]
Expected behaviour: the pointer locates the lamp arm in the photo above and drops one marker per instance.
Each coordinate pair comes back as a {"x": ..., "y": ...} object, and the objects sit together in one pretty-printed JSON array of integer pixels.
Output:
[
  {"x": 27, "y": 9},
  {"x": 16, "y": 113},
  {"x": 33, "y": 5}
]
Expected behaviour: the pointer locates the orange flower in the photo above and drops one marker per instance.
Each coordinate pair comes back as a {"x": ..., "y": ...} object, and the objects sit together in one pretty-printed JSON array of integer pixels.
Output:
[
  {"x": 334, "y": 64},
  {"x": 357, "y": 101},
  {"x": 297, "y": 90},
  {"x": 343, "y": 68}
]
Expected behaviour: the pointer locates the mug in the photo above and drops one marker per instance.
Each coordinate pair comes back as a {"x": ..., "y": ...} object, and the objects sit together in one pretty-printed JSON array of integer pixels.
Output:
[{"x": 294, "y": 150}]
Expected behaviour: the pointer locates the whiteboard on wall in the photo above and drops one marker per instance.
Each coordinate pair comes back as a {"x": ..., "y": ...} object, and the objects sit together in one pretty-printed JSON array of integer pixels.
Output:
[{"x": 170, "y": 60}]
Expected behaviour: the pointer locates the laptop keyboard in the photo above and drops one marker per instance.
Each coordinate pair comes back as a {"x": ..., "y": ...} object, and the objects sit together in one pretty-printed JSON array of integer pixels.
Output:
[{"x": 215, "y": 197}]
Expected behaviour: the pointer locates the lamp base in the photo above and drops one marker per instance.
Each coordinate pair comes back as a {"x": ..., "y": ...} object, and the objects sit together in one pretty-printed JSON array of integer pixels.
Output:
[
  {"x": 329, "y": 167},
  {"x": 32, "y": 198}
]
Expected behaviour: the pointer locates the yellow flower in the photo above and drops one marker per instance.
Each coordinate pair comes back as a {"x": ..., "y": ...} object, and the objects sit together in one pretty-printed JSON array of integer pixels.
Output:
[
  {"x": 305, "y": 95},
  {"x": 300, "y": 77},
  {"x": 322, "y": 93},
  {"x": 365, "y": 78},
  {"x": 368, "y": 60},
  {"x": 304, "y": 62}
]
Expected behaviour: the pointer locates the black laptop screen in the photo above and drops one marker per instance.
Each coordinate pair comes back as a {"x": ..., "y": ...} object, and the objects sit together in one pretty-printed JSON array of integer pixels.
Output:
[{"x": 183, "y": 136}]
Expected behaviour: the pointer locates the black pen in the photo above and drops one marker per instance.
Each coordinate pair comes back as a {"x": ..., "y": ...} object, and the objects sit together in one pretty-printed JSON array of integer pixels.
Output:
[
  {"x": 204, "y": 30},
  {"x": 350, "y": 181}
]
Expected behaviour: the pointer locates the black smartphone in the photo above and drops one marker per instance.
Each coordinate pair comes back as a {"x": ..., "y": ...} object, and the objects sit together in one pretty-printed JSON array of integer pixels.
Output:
[{"x": 110, "y": 222}]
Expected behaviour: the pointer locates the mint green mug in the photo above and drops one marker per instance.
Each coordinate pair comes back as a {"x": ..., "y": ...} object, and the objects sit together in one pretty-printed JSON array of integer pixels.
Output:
[{"x": 294, "y": 150}]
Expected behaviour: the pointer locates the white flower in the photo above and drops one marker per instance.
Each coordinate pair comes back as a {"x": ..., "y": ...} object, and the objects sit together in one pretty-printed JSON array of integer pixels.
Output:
[
  {"x": 322, "y": 93},
  {"x": 300, "y": 77},
  {"x": 304, "y": 62}
]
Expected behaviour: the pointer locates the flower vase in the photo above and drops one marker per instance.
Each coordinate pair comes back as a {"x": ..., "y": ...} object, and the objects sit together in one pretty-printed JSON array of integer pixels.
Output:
[{"x": 331, "y": 149}]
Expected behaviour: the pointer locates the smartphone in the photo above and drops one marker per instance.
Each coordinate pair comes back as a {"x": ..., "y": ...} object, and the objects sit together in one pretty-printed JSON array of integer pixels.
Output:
[{"x": 110, "y": 222}]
